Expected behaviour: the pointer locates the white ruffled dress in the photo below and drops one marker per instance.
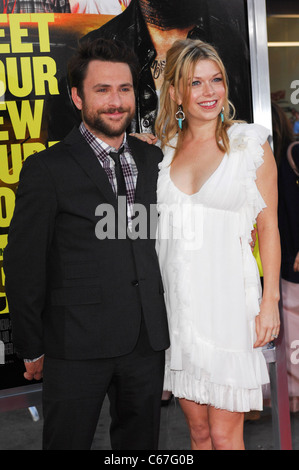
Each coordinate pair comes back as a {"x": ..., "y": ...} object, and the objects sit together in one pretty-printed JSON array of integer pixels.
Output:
[{"x": 211, "y": 279}]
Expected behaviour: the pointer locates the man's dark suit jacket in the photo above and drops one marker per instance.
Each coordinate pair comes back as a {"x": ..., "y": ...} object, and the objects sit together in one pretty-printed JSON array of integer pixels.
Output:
[{"x": 71, "y": 295}]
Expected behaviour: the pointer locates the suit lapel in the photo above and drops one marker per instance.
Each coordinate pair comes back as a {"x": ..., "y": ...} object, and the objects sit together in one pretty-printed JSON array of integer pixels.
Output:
[{"x": 85, "y": 157}]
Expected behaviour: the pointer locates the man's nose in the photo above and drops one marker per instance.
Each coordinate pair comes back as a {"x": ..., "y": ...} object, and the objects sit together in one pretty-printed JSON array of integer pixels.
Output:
[{"x": 115, "y": 98}]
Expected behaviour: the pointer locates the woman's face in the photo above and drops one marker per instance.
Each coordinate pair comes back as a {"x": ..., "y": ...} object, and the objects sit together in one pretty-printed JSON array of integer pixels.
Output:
[{"x": 207, "y": 94}]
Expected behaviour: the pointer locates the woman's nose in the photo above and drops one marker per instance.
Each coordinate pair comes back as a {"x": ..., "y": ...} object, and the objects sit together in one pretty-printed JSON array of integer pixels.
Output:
[{"x": 208, "y": 88}]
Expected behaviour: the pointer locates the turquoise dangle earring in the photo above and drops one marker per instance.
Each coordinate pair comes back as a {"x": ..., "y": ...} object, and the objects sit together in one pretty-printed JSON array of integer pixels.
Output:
[
  {"x": 222, "y": 115},
  {"x": 180, "y": 116}
]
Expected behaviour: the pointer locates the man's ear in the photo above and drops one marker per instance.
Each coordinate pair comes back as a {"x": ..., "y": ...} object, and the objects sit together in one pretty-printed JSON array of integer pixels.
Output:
[{"x": 76, "y": 98}]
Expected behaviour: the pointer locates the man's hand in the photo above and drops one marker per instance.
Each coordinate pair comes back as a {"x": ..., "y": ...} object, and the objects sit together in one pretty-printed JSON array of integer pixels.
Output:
[
  {"x": 296, "y": 263},
  {"x": 34, "y": 370}
]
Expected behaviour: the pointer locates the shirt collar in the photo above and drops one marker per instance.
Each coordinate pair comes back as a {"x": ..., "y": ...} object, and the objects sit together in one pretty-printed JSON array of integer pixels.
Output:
[
  {"x": 108, "y": 147},
  {"x": 95, "y": 142}
]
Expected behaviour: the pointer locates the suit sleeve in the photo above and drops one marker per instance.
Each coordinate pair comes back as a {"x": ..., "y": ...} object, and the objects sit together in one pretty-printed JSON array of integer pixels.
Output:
[{"x": 25, "y": 256}]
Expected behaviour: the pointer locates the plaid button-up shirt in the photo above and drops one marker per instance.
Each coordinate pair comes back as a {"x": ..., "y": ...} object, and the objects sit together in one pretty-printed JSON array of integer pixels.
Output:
[{"x": 129, "y": 168}]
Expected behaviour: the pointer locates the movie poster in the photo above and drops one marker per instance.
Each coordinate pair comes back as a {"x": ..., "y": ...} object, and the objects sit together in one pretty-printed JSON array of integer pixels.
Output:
[{"x": 37, "y": 40}]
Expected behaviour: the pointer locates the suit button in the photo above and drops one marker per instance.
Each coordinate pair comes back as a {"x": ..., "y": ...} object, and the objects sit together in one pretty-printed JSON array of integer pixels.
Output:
[{"x": 135, "y": 283}]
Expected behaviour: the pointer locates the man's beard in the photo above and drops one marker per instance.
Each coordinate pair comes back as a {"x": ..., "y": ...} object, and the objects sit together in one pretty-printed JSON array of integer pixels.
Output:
[
  {"x": 98, "y": 124},
  {"x": 170, "y": 14}
]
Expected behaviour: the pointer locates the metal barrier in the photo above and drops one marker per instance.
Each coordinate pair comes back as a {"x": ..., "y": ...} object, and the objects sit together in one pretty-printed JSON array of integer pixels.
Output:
[{"x": 20, "y": 397}]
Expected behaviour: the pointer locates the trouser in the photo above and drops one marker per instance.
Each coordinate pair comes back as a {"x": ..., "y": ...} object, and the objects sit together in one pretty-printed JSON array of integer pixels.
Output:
[{"x": 74, "y": 391}]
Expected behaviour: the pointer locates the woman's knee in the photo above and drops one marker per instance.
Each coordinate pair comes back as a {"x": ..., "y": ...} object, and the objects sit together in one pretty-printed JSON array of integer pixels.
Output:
[
  {"x": 224, "y": 438},
  {"x": 220, "y": 438},
  {"x": 199, "y": 432}
]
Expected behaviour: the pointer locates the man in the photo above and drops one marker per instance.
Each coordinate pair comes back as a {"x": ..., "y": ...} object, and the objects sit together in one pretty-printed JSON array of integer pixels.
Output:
[
  {"x": 90, "y": 307},
  {"x": 150, "y": 27}
]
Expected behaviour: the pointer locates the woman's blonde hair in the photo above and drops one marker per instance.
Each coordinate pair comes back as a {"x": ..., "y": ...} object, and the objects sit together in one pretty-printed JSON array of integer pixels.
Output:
[{"x": 181, "y": 60}]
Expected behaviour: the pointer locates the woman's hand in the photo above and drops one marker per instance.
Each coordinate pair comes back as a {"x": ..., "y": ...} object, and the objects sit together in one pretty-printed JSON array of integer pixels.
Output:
[
  {"x": 149, "y": 138},
  {"x": 296, "y": 263},
  {"x": 267, "y": 323}
]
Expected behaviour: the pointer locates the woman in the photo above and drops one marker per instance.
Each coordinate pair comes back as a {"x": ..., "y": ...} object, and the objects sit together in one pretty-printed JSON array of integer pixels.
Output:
[{"x": 217, "y": 178}]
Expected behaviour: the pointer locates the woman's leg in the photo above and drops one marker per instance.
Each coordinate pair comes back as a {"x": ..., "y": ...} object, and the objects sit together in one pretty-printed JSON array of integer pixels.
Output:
[
  {"x": 197, "y": 419},
  {"x": 212, "y": 428},
  {"x": 226, "y": 429}
]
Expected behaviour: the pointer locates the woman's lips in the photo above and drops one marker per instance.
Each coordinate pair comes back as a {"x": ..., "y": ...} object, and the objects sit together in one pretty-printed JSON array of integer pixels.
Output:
[{"x": 208, "y": 104}]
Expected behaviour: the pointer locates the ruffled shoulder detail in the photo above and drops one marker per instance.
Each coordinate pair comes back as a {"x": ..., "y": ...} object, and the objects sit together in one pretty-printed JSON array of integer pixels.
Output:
[
  {"x": 241, "y": 132},
  {"x": 247, "y": 140}
]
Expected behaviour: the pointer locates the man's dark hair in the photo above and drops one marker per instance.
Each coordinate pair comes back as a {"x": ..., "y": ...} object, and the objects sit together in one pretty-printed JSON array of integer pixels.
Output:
[{"x": 106, "y": 50}]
